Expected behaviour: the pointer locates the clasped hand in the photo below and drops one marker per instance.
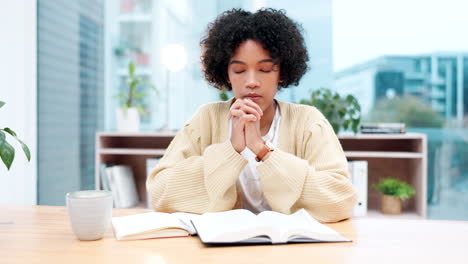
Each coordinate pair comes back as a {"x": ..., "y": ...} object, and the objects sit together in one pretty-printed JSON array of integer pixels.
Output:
[{"x": 245, "y": 131}]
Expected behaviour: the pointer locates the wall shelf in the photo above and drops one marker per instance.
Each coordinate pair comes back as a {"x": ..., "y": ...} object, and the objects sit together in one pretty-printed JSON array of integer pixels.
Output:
[
  {"x": 401, "y": 156},
  {"x": 384, "y": 154}
]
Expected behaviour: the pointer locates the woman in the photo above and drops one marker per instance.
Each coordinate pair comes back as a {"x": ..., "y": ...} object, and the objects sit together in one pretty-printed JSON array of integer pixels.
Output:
[{"x": 253, "y": 151}]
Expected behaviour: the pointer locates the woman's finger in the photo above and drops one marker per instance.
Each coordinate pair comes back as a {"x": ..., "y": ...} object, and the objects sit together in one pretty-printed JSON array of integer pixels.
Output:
[
  {"x": 237, "y": 104},
  {"x": 254, "y": 105},
  {"x": 249, "y": 117},
  {"x": 250, "y": 110},
  {"x": 237, "y": 113}
]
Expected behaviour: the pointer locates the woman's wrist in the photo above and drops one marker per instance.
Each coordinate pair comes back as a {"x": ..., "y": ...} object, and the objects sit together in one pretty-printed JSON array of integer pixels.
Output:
[{"x": 257, "y": 147}]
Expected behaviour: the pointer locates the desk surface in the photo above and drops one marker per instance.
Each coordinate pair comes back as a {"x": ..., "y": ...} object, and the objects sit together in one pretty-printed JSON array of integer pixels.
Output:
[{"x": 42, "y": 234}]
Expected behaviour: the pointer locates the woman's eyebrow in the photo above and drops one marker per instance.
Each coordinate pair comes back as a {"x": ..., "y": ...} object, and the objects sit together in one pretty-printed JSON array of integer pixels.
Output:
[
  {"x": 241, "y": 62},
  {"x": 266, "y": 60},
  {"x": 236, "y": 61}
]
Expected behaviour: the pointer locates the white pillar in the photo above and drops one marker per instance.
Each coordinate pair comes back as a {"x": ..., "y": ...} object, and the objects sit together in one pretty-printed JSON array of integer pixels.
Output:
[{"x": 18, "y": 88}]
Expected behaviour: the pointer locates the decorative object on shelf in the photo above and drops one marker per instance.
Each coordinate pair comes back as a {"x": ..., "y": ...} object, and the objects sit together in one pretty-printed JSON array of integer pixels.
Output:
[
  {"x": 131, "y": 107},
  {"x": 383, "y": 128},
  {"x": 393, "y": 192},
  {"x": 341, "y": 112},
  {"x": 7, "y": 152}
]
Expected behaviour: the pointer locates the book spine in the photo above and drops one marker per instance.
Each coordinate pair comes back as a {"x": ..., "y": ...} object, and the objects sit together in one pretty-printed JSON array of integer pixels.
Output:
[
  {"x": 113, "y": 187},
  {"x": 104, "y": 179}
]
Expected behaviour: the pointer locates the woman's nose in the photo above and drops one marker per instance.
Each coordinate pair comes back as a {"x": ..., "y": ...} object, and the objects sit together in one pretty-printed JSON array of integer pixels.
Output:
[{"x": 252, "y": 81}]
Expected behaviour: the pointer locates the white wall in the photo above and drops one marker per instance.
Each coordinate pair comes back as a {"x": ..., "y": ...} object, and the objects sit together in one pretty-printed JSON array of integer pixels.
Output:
[{"x": 18, "y": 90}]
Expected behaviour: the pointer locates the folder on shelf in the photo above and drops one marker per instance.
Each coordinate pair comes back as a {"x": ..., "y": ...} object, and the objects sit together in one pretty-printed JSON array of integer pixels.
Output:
[{"x": 358, "y": 177}]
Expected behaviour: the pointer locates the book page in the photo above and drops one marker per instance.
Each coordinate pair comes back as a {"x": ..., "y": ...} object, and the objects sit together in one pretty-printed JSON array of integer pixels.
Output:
[
  {"x": 229, "y": 227},
  {"x": 300, "y": 226},
  {"x": 146, "y": 223}
]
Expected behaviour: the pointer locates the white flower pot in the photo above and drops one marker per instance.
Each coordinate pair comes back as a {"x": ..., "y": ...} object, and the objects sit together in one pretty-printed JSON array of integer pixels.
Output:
[{"x": 129, "y": 121}]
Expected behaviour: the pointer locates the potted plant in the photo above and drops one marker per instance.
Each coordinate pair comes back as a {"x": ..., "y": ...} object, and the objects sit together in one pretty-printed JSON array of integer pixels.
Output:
[
  {"x": 131, "y": 102},
  {"x": 7, "y": 152},
  {"x": 341, "y": 112},
  {"x": 393, "y": 192}
]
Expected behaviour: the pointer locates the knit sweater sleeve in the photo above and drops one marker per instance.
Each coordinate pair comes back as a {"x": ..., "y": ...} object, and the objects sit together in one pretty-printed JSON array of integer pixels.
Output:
[
  {"x": 191, "y": 179},
  {"x": 319, "y": 182}
]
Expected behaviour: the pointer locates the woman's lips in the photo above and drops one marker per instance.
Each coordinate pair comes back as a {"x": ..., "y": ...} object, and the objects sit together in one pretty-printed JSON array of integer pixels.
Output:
[{"x": 253, "y": 97}]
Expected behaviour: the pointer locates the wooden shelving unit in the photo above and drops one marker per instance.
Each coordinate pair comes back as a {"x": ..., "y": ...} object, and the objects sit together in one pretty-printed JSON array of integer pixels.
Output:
[
  {"x": 400, "y": 156},
  {"x": 130, "y": 149}
]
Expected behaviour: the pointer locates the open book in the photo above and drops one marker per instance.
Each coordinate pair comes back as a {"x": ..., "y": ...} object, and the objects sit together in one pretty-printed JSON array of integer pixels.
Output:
[
  {"x": 243, "y": 227},
  {"x": 153, "y": 225}
]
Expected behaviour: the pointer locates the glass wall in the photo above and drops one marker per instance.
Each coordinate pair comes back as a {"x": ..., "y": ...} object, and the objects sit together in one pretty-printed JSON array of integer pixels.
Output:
[{"x": 411, "y": 66}]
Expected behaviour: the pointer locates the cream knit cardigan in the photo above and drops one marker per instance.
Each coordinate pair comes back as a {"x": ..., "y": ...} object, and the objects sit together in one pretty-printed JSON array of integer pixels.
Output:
[{"x": 307, "y": 169}]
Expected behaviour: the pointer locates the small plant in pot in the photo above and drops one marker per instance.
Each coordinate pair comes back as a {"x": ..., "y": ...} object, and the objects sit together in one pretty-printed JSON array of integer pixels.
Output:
[
  {"x": 131, "y": 101},
  {"x": 393, "y": 192}
]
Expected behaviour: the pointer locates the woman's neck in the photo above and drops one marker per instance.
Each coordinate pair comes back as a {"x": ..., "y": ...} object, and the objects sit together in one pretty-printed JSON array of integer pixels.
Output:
[{"x": 267, "y": 118}]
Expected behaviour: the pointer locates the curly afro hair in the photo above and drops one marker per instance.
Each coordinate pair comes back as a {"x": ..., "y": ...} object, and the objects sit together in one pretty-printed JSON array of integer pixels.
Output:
[{"x": 277, "y": 33}]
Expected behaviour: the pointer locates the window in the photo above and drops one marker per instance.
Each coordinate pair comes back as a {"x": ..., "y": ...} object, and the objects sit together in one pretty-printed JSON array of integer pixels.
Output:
[{"x": 428, "y": 65}]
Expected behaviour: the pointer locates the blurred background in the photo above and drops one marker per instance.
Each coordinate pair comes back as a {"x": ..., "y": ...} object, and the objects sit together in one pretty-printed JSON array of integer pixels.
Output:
[{"x": 64, "y": 64}]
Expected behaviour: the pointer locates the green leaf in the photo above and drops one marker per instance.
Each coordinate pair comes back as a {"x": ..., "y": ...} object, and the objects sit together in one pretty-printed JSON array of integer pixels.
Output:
[
  {"x": 139, "y": 95},
  {"x": 336, "y": 127},
  {"x": 7, "y": 152},
  {"x": 25, "y": 149},
  {"x": 2, "y": 104},
  {"x": 355, "y": 125},
  {"x": 131, "y": 69},
  {"x": 23, "y": 146},
  {"x": 9, "y": 131},
  {"x": 346, "y": 124},
  {"x": 133, "y": 84}
]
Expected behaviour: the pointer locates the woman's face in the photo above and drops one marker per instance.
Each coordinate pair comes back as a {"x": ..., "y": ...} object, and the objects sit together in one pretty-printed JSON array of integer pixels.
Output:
[{"x": 253, "y": 74}]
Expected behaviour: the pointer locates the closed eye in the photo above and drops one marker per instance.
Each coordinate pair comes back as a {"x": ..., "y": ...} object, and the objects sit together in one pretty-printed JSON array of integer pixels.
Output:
[{"x": 239, "y": 72}]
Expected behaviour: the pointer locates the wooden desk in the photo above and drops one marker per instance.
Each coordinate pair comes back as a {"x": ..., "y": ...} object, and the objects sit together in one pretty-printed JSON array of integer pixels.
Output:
[{"x": 42, "y": 234}]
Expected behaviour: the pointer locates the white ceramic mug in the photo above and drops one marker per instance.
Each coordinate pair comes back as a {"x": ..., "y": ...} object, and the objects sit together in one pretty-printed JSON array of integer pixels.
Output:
[{"x": 90, "y": 213}]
